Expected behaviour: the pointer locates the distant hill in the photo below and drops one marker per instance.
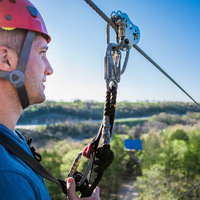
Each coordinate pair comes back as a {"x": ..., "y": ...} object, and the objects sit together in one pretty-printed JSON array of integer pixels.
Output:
[{"x": 51, "y": 112}]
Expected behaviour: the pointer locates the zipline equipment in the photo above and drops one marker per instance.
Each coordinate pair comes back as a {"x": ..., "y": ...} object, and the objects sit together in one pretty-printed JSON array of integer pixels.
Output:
[
  {"x": 102, "y": 156},
  {"x": 114, "y": 26},
  {"x": 127, "y": 36}
]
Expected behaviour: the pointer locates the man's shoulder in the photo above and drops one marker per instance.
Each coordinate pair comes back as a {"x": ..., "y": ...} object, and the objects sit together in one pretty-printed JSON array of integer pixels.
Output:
[
  {"x": 14, "y": 172},
  {"x": 13, "y": 169},
  {"x": 11, "y": 162}
]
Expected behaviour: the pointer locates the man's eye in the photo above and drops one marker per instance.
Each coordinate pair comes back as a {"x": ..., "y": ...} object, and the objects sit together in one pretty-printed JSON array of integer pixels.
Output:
[{"x": 43, "y": 52}]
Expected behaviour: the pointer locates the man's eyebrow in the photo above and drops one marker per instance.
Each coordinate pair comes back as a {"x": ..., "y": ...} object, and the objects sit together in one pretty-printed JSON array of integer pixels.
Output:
[{"x": 44, "y": 47}]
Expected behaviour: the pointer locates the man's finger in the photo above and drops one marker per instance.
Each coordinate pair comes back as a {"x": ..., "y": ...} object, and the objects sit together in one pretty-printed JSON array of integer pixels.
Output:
[
  {"x": 71, "y": 192},
  {"x": 96, "y": 191}
]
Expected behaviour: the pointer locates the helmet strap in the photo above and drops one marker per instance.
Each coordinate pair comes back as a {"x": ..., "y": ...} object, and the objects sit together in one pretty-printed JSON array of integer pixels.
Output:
[
  {"x": 16, "y": 77},
  {"x": 21, "y": 67}
]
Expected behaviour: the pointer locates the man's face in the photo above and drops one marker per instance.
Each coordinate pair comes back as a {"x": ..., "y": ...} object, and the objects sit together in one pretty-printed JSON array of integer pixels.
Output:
[{"x": 37, "y": 69}]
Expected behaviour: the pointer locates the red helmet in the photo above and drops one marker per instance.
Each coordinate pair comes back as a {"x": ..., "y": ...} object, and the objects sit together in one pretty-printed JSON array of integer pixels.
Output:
[{"x": 21, "y": 14}]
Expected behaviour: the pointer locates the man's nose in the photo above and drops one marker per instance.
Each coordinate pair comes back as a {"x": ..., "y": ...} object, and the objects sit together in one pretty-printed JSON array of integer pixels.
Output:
[{"x": 48, "y": 69}]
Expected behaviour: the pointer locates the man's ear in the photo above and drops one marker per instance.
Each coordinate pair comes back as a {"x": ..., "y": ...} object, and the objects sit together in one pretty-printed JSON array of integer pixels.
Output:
[{"x": 8, "y": 59}]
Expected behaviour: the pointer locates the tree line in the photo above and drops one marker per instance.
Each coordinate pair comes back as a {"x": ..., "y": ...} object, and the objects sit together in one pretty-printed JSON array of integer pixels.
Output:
[{"x": 61, "y": 111}]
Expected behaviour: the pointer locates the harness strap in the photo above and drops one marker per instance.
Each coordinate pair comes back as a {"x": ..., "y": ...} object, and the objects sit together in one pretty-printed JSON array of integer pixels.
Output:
[{"x": 30, "y": 161}]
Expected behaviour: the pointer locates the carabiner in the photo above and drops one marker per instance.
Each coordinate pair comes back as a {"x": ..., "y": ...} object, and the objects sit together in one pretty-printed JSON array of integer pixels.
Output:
[
  {"x": 75, "y": 165},
  {"x": 126, "y": 58},
  {"x": 88, "y": 171},
  {"x": 112, "y": 63},
  {"x": 112, "y": 68}
]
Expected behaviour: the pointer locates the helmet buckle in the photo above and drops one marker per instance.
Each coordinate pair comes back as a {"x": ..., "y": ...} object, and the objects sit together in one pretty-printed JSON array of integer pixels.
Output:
[{"x": 17, "y": 78}]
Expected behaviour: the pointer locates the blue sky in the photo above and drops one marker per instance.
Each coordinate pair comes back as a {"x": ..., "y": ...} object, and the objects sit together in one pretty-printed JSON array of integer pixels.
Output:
[{"x": 170, "y": 34}]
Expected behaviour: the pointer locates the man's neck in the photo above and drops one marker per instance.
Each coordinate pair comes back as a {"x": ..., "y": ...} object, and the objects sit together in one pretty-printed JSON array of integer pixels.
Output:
[
  {"x": 9, "y": 113},
  {"x": 10, "y": 107},
  {"x": 9, "y": 118}
]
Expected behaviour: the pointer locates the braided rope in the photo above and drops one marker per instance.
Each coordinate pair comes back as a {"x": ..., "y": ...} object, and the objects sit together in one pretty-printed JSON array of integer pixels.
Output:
[
  {"x": 107, "y": 104},
  {"x": 113, "y": 99}
]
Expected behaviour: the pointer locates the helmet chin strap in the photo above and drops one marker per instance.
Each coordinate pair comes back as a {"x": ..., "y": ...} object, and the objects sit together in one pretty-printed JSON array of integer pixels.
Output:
[{"x": 16, "y": 77}]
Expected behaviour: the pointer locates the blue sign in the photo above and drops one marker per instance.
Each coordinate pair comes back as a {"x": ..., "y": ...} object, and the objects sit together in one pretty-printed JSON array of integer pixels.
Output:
[{"x": 133, "y": 144}]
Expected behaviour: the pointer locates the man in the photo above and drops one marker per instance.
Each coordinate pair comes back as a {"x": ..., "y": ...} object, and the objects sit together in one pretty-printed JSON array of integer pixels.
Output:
[{"x": 24, "y": 68}]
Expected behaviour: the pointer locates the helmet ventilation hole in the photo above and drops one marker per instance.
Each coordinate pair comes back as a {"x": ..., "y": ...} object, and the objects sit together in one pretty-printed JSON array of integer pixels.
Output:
[
  {"x": 8, "y": 17},
  {"x": 33, "y": 11},
  {"x": 12, "y": 1}
]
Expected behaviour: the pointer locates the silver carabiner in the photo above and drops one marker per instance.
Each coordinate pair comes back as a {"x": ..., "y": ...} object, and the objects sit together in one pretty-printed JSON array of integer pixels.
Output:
[
  {"x": 112, "y": 63},
  {"x": 112, "y": 68},
  {"x": 126, "y": 46}
]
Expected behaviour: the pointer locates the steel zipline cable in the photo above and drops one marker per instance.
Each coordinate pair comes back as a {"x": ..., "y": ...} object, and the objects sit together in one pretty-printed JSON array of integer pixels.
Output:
[
  {"x": 94, "y": 7},
  {"x": 160, "y": 69}
]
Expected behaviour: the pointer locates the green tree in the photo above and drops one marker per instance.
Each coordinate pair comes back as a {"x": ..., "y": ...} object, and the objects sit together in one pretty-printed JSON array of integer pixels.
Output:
[
  {"x": 151, "y": 150},
  {"x": 192, "y": 156},
  {"x": 51, "y": 162},
  {"x": 179, "y": 134}
]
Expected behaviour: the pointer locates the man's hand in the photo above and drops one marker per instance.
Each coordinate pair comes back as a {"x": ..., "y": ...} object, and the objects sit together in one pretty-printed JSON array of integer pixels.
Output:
[{"x": 72, "y": 193}]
